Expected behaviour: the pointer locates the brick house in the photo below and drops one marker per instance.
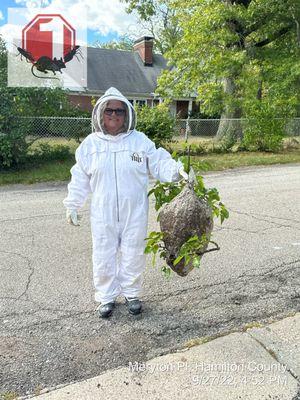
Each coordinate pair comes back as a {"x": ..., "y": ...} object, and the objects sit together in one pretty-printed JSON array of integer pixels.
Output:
[{"x": 134, "y": 73}]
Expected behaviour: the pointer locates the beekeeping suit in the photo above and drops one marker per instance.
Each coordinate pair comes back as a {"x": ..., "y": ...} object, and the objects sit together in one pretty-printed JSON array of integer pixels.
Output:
[{"x": 115, "y": 169}]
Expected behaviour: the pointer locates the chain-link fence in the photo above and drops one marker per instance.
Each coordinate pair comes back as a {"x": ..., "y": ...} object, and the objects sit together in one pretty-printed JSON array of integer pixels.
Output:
[
  {"x": 77, "y": 128},
  {"x": 52, "y": 128},
  {"x": 208, "y": 128}
]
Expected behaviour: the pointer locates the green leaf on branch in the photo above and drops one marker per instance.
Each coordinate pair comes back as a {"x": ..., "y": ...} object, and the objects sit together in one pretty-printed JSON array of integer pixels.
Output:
[
  {"x": 196, "y": 262},
  {"x": 166, "y": 271},
  {"x": 177, "y": 260}
]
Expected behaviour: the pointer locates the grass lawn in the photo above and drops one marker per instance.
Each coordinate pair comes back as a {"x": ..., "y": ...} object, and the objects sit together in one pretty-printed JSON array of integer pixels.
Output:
[
  {"x": 60, "y": 170},
  {"x": 207, "y": 142},
  {"x": 46, "y": 172},
  {"x": 219, "y": 162}
]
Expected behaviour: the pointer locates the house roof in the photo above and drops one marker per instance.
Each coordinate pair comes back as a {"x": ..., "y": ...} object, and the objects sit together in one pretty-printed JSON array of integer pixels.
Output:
[{"x": 122, "y": 69}]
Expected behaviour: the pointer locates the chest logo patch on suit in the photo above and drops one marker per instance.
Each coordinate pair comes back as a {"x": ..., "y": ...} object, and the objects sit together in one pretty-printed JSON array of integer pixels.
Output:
[{"x": 136, "y": 157}]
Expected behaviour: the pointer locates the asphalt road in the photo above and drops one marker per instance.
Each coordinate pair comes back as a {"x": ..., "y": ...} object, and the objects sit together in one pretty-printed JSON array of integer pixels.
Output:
[{"x": 50, "y": 333}]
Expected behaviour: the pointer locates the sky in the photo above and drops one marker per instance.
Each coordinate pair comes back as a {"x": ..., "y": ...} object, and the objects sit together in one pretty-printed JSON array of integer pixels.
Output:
[{"x": 106, "y": 19}]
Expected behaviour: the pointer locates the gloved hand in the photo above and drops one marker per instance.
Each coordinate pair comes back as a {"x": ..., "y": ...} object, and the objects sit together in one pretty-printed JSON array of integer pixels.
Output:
[
  {"x": 191, "y": 177},
  {"x": 183, "y": 173},
  {"x": 72, "y": 217}
]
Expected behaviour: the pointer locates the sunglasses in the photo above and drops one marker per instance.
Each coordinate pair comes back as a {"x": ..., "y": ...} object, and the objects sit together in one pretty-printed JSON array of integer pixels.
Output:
[{"x": 117, "y": 111}]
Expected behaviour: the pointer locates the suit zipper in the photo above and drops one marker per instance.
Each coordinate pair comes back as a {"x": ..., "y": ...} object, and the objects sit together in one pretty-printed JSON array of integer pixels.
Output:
[{"x": 116, "y": 186}]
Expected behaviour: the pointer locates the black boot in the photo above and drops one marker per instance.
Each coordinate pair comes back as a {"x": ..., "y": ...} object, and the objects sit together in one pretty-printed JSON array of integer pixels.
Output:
[
  {"x": 134, "y": 305},
  {"x": 105, "y": 310}
]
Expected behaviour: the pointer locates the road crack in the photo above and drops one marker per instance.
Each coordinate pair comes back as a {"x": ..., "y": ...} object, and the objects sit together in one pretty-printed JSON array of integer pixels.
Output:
[{"x": 31, "y": 272}]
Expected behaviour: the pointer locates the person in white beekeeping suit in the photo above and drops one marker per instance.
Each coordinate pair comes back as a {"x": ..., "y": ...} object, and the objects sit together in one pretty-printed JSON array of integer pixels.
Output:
[{"x": 113, "y": 163}]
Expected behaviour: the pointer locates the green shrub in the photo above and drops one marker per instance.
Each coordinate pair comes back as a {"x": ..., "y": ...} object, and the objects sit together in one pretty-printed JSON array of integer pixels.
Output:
[
  {"x": 157, "y": 123},
  {"x": 223, "y": 146},
  {"x": 263, "y": 130},
  {"x": 13, "y": 144},
  {"x": 15, "y": 152},
  {"x": 195, "y": 149},
  {"x": 13, "y": 149},
  {"x": 46, "y": 152}
]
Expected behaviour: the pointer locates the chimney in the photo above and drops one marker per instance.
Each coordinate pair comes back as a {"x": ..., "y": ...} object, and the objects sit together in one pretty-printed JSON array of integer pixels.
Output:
[{"x": 144, "y": 46}]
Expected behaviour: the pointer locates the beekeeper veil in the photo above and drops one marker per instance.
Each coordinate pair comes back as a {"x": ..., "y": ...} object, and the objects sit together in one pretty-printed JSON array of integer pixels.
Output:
[{"x": 97, "y": 114}]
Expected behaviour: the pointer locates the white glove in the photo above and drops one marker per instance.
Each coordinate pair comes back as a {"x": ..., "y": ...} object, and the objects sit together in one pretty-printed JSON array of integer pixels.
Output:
[
  {"x": 191, "y": 177},
  {"x": 72, "y": 217},
  {"x": 183, "y": 173}
]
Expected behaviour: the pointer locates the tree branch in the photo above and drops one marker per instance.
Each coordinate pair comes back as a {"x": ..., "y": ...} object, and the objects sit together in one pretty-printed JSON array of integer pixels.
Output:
[
  {"x": 277, "y": 35},
  {"x": 238, "y": 28},
  {"x": 243, "y": 2},
  {"x": 258, "y": 24},
  {"x": 297, "y": 28}
]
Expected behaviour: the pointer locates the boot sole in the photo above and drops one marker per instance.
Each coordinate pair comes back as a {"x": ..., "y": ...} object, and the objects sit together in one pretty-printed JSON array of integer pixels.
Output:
[
  {"x": 105, "y": 315},
  {"x": 135, "y": 312}
]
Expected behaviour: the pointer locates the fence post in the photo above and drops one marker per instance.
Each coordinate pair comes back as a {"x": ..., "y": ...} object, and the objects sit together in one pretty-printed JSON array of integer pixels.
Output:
[{"x": 187, "y": 129}]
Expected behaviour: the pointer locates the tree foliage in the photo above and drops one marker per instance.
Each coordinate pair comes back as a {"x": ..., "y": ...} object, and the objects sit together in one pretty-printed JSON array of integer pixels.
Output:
[
  {"x": 158, "y": 18},
  {"x": 124, "y": 42},
  {"x": 156, "y": 122},
  {"x": 236, "y": 55}
]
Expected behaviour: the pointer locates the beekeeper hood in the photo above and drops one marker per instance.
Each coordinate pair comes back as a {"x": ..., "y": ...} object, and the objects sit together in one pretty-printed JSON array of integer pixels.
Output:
[{"x": 97, "y": 114}]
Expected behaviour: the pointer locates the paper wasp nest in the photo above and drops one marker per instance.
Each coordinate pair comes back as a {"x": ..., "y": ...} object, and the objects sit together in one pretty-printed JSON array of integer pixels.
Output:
[{"x": 185, "y": 216}]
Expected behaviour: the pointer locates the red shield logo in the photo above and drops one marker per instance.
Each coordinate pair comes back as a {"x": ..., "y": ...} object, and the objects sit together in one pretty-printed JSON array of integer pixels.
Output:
[
  {"x": 46, "y": 45},
  {"x": 48, "y": 35}
]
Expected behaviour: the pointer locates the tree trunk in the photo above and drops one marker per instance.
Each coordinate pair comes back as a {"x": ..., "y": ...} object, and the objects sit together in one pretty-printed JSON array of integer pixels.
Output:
[{"x": 230, "y": 124}]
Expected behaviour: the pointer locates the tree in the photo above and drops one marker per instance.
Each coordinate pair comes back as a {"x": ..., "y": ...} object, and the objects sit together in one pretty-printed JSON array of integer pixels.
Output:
[
  {"x": 156, "y": 18},
  {"x": 159, "y": 19},
  {"x": 235, "y": 53},
  {"x": 125, "y": 42}
]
